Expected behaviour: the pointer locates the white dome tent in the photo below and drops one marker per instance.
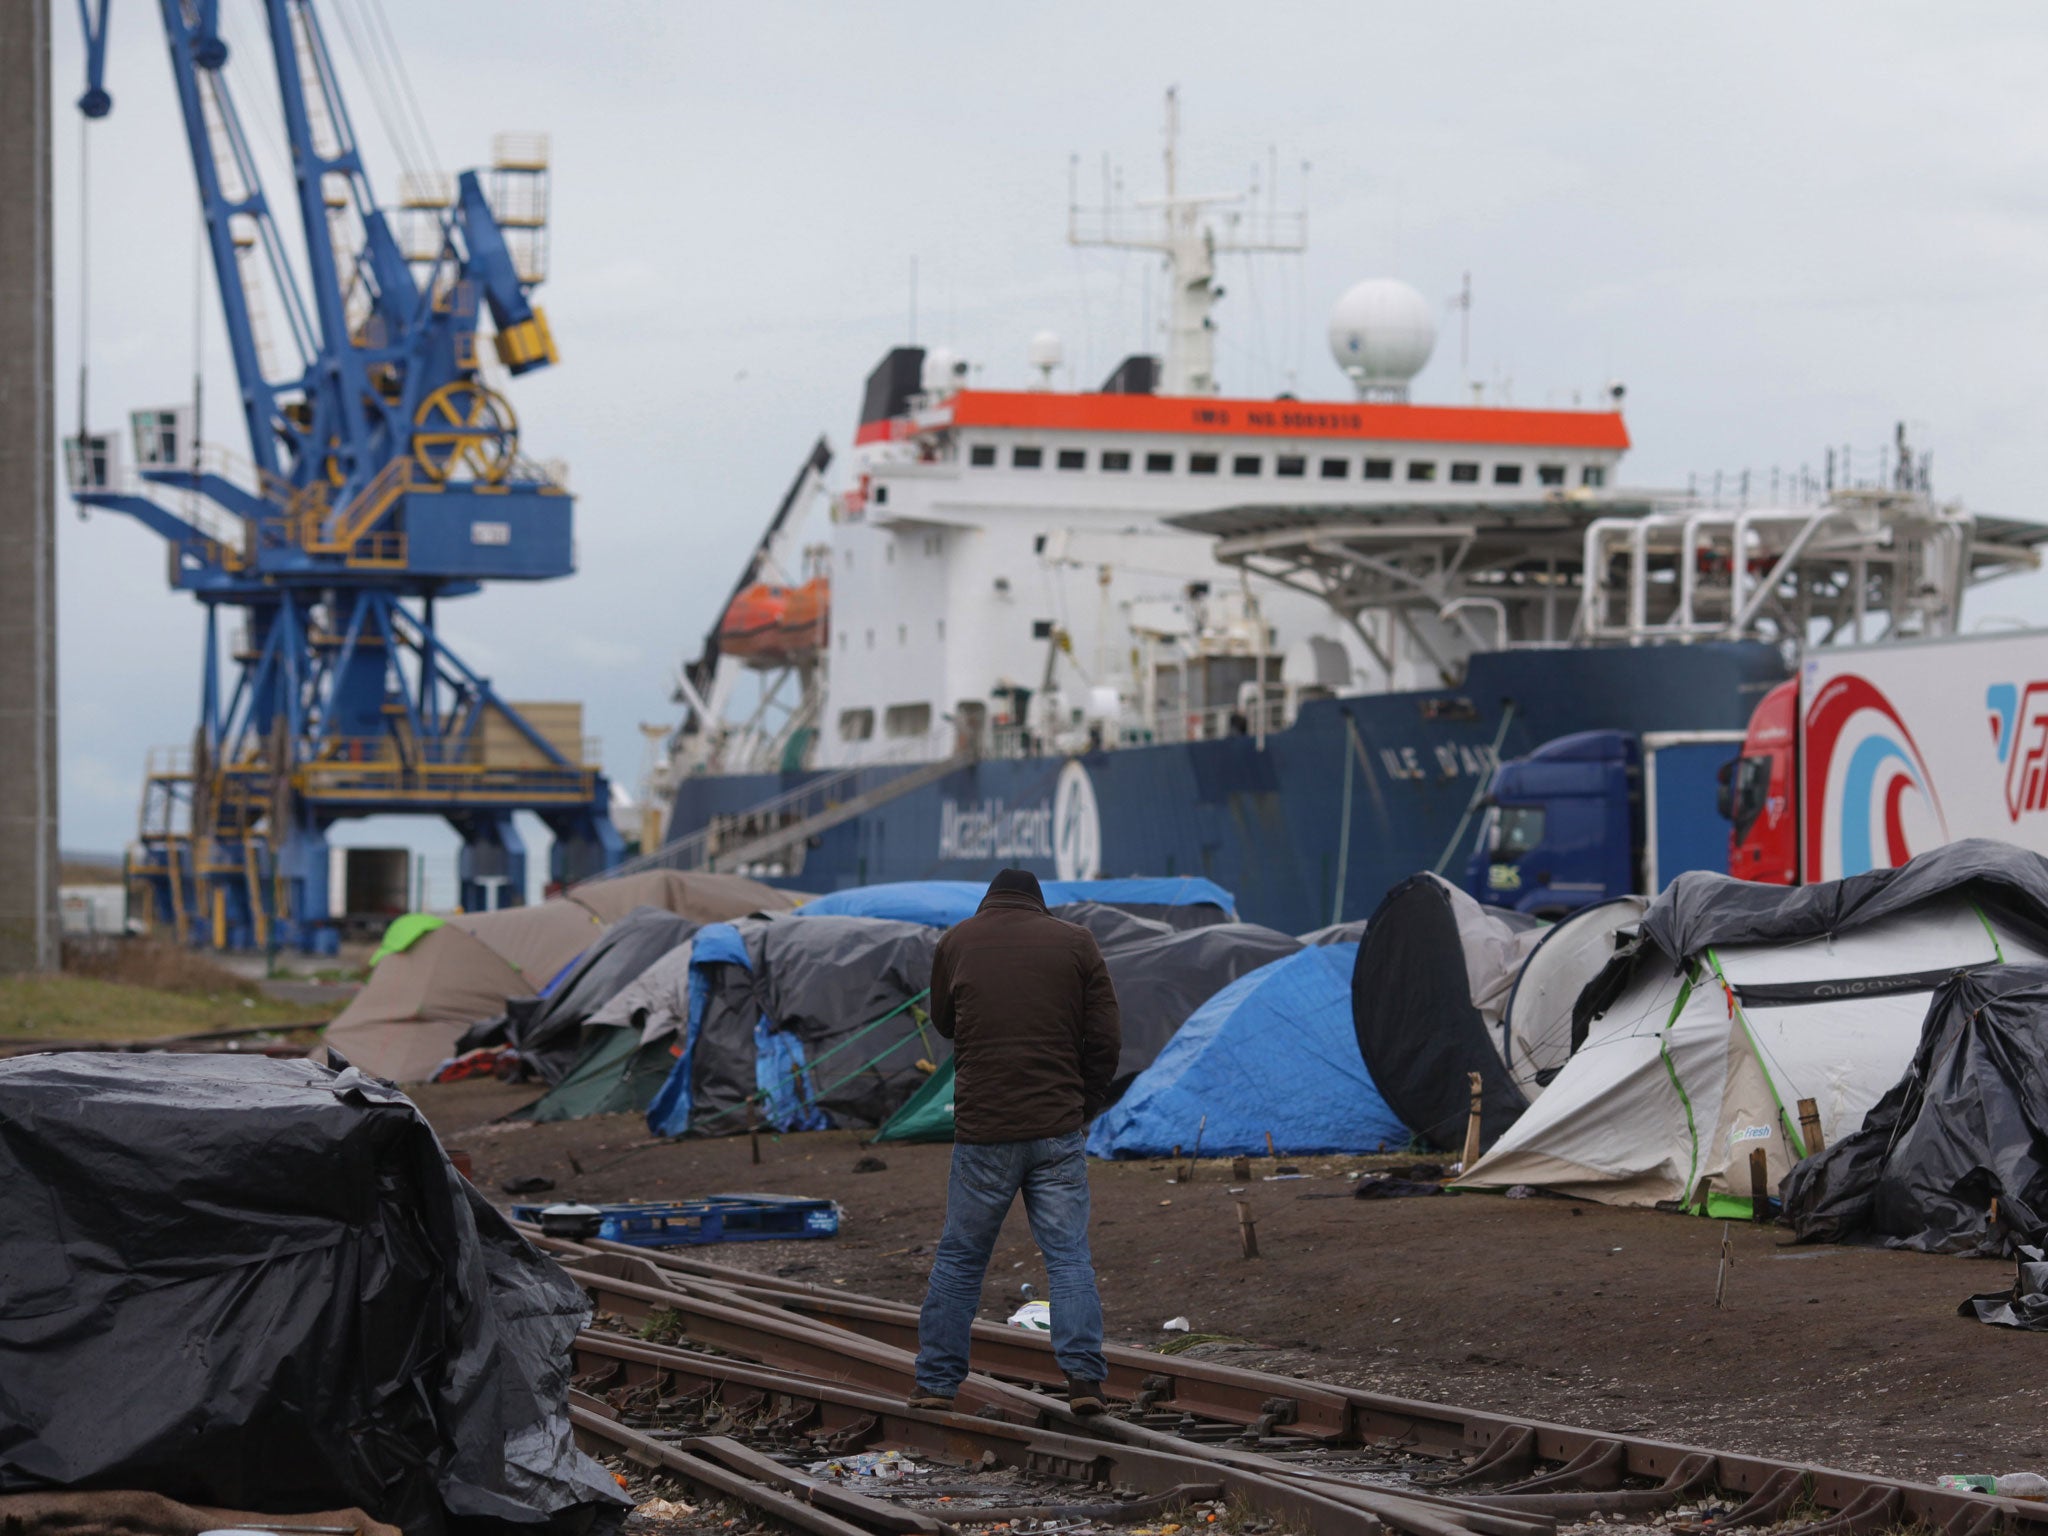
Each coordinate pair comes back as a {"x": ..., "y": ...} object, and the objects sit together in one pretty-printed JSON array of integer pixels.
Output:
[{"x": 1698, "y": 1042}]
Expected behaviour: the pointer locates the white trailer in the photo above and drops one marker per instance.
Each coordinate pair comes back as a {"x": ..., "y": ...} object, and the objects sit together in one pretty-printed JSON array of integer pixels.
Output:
[{"x": 1911, "y": 744}]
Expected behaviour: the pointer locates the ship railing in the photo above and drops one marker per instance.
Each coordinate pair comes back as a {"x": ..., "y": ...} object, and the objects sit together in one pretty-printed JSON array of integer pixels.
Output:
[
  {"x": 1216, "y": 724},
  {"x": 694, "y": 849}
]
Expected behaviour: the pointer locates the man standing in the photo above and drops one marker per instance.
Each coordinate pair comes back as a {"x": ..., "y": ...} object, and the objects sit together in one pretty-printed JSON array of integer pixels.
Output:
[{"x": 1028, "y": 1005}]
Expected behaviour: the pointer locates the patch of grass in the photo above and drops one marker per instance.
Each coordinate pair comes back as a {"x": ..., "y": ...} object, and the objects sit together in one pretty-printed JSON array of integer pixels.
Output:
[
  {"x": 663, "y": 1326},
  {"x": 131, "y": 990},
  {"x": 153, "y": 963}
]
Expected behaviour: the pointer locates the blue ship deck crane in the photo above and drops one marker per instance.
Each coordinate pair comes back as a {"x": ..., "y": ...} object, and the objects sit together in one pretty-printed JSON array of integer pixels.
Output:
[{"x": 386, "y": 477}]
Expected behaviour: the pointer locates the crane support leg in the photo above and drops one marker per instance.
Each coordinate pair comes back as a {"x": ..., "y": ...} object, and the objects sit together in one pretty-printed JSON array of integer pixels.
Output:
[
  {"x": 586, "y": 844},
  {"x": 492, "y": 865}
]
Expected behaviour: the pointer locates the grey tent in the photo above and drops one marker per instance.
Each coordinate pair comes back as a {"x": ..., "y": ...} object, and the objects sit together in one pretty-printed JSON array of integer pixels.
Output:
[
  {"x": 436, "y": 975},
  {"x": 821, "y": 1017},
  {"x": 654, "y": 1003},
  {"x": 1965, "y": 1129},
  {"x": 1161, "y": 979},
  {"x": 847, "y": 992},
  {"x": 546, "y": 1031},
  {"x": 1535, "y": 1031}
]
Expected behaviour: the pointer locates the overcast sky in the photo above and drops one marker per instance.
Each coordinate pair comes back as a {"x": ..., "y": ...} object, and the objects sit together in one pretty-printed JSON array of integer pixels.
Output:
[{"x": 1781, "y": 226}]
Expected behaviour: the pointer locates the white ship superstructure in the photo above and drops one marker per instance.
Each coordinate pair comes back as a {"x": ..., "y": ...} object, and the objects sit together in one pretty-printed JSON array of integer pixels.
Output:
[
  {"x": 1009, "y": 561},
  {"x": 1032, "y": 572}
]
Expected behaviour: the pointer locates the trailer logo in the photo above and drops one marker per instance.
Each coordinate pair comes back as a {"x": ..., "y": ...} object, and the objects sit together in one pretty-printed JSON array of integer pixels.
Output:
[
  {"x": 1862, "y": 760},
  {"x": 2019, "y": 734},
  {"x": 1076, "y": 825}
]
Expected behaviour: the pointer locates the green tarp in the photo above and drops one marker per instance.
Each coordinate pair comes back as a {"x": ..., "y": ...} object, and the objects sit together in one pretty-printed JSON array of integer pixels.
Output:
[
  {"x": 614, "y": 1074},
  {"x": 928, "y": 1113},
  {"x": 404, "y": 932}
]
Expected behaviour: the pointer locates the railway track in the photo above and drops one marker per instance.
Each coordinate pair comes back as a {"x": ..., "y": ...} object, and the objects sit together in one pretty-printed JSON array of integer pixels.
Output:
[{"x": 744, "y": 1380}]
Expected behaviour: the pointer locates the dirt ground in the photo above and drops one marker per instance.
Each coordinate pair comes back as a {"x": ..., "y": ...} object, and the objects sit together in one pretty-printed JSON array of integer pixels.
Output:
[{"x": 1551, "y": 1308}]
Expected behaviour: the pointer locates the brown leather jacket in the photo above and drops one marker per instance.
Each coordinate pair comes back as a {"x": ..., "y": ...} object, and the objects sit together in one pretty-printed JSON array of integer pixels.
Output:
[{"x": 1028, "y": 1005}]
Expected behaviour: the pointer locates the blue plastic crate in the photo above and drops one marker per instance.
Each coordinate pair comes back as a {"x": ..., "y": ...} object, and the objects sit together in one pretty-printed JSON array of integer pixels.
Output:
[{"x": 713, "y": 1219}]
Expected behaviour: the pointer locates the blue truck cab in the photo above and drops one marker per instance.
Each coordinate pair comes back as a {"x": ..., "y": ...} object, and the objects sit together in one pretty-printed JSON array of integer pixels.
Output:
[
  {"x": 1563, "y": 827},
  {"x": 1601, "y": 814}
]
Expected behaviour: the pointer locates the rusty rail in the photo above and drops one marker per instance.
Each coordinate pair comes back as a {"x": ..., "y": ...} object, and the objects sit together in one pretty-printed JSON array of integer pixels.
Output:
[
  {"x": 1518, "y": 1475},
  {"x": 843, "y": 1420}
]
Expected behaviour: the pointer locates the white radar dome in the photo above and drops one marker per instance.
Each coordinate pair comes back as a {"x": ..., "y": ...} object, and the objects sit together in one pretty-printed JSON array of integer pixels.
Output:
[
  {"x": 1046, "y": 354},
  {"x": 1381, "y": 333}
]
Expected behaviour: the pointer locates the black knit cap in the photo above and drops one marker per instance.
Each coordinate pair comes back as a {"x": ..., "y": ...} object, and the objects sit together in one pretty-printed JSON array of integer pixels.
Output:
[{"x": 1017, "y": 882}]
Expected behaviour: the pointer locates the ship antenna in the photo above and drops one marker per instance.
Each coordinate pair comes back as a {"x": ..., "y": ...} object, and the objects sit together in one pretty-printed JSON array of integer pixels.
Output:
[
  {"x": 1463, "y": 304},
  {"x": 1176, "y": 226}
]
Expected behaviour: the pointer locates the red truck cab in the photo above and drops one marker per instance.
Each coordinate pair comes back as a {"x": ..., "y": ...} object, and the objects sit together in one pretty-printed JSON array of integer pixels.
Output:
[{"x": 1760, "y": 796}]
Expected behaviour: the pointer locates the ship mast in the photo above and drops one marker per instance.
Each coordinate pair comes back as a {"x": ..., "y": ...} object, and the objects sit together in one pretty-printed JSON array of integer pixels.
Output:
[{"x": 1190, "y": 236}]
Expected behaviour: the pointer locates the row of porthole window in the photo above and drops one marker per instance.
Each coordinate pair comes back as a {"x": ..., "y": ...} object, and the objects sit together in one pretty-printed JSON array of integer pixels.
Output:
[
  {"x": 898, "y": 720},
  {"x": 1288, "y": 466},
  {"x": 902, "y": 633}
]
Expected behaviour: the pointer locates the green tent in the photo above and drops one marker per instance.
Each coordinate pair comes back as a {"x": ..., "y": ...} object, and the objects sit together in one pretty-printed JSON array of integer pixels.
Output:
[
  {"x": 927, "y": 1115},
  {"x": 614, "y": 1074}
]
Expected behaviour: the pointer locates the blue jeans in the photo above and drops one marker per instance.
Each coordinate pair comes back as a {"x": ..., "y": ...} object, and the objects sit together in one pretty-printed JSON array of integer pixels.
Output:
[{"x": 1053, "y": 1176}]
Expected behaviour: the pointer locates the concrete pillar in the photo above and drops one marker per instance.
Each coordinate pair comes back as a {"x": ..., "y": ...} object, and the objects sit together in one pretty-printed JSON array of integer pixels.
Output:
[{"x": 28, "y": 444}]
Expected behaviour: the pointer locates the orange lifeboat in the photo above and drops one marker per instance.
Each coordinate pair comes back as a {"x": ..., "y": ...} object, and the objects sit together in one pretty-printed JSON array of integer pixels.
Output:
[
  {"x": 803, "y": 617},
  {"x": 769, "y": 626}
]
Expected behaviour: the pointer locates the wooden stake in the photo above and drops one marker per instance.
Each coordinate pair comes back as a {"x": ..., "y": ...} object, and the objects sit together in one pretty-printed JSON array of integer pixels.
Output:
[
  {"x": 1247, "y": 1230},
  {"x": 1699, "y": 1194},
  {"x": 1759, "y": 1185},
  {"x": 753, "y": 1131},
  {"x": 1472, "y": 1125},
  {"x": 1269, "y": 1146},
  {"x": 1240, "y": 1167},
  {"x": 1809, "y": 1127},
  {"x": 1727, "y": 1262}
]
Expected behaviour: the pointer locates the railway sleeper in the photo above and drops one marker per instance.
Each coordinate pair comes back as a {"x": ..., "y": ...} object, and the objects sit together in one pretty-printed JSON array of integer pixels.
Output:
[
  {"x": 1691, "y": 1478},
  {"x": 1598, "y": 1466},
  {"x": 1511, "y": 1453}
]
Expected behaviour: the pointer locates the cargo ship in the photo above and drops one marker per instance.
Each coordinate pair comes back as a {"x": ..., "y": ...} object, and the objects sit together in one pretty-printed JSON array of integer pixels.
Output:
[{"x": 1153, "y": 628}]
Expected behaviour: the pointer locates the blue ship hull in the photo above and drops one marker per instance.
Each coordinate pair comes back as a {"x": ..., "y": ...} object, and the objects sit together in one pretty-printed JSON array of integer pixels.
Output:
[{"x": 1357, "y": 794}]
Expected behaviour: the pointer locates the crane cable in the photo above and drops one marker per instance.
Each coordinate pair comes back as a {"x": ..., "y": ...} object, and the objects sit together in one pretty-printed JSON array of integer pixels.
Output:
[
  {"x": 377, "y": 84},
  {"x": 406, "y": 95}
]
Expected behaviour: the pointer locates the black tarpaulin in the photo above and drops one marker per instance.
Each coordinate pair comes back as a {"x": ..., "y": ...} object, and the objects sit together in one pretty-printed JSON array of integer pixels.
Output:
[
  {"x": 1700, "y": 908},
  {"x": 1161, "y": 979},
  {"x": 2025, "y": 1305},
  {"x": 1113, "y": 925},
  {"x": 1966, "y": 1125},
  {"x": 1432, "y": 977},
  {"x": 258, "y": 1284}
]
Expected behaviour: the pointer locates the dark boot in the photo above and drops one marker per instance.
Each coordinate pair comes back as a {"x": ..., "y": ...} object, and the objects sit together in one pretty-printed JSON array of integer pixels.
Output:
[
  {"x": 1085, "y": 1397},
  {"x": 931, "y": 1402}
]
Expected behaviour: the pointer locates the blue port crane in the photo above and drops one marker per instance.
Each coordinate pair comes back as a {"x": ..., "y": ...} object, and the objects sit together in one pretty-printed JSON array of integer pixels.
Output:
[{"x": 385, "y": 475}]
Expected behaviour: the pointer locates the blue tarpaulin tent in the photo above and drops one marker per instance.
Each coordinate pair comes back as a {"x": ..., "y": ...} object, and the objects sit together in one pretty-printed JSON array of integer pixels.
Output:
[
  {"x": 942, "y": 903},
  {"x": 1275, "y": 1051}
]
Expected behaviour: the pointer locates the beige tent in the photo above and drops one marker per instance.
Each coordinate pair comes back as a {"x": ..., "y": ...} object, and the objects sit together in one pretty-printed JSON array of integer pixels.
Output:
[
  {"x": 702, "y": 898},
  {"x": 434, "y": 976}
]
